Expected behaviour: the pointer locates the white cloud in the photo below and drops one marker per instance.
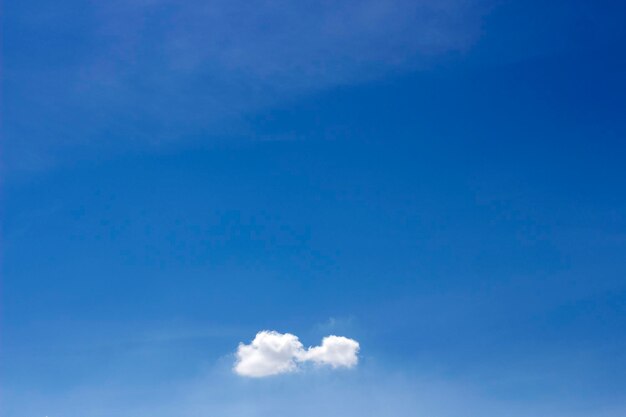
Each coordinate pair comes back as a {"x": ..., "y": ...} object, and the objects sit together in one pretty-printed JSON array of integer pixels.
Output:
[
  {"x": 336, "y": 351},
  {"x": 270, "y": 353},
  {"x": 273, "y": 353}
]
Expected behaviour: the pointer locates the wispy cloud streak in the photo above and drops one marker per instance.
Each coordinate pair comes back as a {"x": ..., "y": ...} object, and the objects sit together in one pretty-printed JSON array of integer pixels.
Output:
[{"x": 145, "y": 72}]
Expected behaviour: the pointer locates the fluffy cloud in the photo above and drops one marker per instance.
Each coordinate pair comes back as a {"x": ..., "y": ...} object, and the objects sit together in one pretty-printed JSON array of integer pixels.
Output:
[
  {"x": 272, "y": 353},
  {"x": 336, "y": 351}
]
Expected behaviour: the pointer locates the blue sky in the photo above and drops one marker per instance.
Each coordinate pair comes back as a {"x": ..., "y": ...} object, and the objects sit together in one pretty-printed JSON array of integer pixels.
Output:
[{"x": 441, "y": 181}]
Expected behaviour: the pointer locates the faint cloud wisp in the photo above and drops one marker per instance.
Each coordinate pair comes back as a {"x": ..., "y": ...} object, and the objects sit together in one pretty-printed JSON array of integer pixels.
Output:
[{"x": 147, "y": 73}]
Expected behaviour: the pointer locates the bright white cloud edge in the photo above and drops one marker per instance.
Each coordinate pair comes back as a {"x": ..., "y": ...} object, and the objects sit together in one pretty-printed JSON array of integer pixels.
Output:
[{"x": 273, "y": 353}]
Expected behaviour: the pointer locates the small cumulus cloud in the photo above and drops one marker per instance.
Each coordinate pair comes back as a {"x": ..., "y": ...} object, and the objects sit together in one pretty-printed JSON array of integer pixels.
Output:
[
  {"x": 336, "y": 351},
  {"x": 270, "y": 353},
  {"x": 273, "y": 353}
]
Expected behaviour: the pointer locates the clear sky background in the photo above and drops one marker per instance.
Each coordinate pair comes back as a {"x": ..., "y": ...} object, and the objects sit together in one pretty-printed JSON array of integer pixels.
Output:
[{"x": 443, "y": 181}]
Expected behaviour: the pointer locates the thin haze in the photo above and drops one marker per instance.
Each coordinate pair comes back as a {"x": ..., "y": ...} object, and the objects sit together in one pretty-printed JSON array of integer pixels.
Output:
[{"x": 144, "y": 73}]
